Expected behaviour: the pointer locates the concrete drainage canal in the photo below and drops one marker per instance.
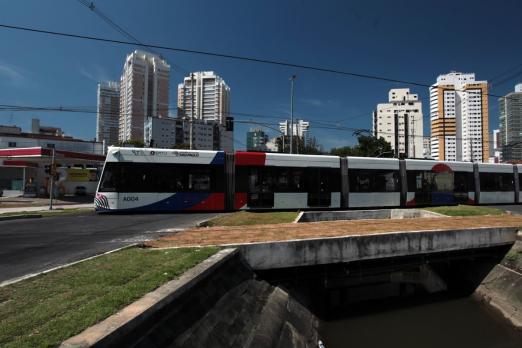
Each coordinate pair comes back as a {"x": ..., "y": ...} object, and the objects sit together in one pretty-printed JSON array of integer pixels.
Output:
[{"x": 415, "y": 289}]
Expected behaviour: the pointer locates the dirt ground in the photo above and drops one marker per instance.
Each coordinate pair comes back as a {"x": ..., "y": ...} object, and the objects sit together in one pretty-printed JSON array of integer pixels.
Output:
[{"x": 261, "y": 233}]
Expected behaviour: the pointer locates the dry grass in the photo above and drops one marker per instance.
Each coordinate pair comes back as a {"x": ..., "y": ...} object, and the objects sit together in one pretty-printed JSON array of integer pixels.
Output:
[{"x": 262, "y": 233}]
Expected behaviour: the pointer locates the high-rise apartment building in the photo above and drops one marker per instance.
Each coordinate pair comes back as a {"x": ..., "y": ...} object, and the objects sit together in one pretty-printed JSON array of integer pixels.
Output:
[
  {"x": 459, "y": 118},
  {"x": 144, "y": 92},
  {"x": 400, "y": 123},
  {"x": 256, "y": 140},
  {"x": 108, "y": 116},
  {"x": 426, "y": 147},
  {"x": 204, "y": 96},
  {"x": 300, "y": 129},
  {"x": 495, "y": 147},
  {"x": 511, "y": 125}
]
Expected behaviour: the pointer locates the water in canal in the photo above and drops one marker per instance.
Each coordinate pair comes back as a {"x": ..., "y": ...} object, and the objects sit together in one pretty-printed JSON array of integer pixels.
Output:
[{"x": 454, "y": 323}]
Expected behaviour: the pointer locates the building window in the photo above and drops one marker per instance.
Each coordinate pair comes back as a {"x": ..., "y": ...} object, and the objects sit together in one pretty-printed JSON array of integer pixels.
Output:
[{"x": 11, "y": 144}]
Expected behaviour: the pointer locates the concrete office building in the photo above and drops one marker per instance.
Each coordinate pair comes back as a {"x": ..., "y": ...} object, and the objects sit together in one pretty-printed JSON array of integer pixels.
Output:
[
  {"x": 170, "y": 132},
  {"x": 204, "y": 96},
  {"x": 511, "y": 125},
  {"x": 399, "y": 122},
  {"x": 108, "y": 113},
  {"x": 256, "y": 140},
  {"x": 144, "y": 92},
  {"x": 459, "y": 118}
]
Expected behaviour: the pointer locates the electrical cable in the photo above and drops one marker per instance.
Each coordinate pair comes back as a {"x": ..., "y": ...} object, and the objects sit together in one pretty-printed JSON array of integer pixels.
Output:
[{"x": 228, "y": 56}]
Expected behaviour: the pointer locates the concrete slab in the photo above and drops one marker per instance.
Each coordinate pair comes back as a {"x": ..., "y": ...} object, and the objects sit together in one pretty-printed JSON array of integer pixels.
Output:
[{"x": 316, "y": 216}]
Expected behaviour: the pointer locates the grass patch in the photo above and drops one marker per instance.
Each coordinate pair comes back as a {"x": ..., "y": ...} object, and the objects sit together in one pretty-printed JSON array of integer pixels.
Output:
[
  {"x": 45, "y": 310},
  {"x": 512, "y": 256},
  {"x": 47, "y": 213},
  {"x": 465, "y": 210},
  {"x": 241, "y": 218}
]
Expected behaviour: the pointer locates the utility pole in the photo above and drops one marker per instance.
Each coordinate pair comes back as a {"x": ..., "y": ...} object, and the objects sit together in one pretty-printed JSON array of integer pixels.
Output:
[
  {"x": 292, "y": 79},
  {"x": 52, "y": 173},
  {"x": 191, "y": 110}
]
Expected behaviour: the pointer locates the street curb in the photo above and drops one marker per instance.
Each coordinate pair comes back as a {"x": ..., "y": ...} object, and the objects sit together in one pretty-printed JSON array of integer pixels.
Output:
[
  {"x": 21, "y": 216},
  {"x": 298, "y": 217},
  {"x": 203, "y": 223},
  {"x": 131, "y": 317},
  {"x": 32, "y": 275}
]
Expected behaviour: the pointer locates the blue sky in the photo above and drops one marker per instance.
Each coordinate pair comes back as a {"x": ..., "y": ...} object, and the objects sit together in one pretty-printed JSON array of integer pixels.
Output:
[{"x": 407, "y": 40}]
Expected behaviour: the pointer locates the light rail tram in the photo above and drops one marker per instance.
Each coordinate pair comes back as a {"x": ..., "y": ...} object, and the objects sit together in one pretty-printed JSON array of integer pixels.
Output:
[{"x": 165, "y": 180}]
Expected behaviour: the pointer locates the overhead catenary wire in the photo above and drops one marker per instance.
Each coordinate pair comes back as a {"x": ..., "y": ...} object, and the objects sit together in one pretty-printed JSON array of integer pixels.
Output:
[
  {"x": 16, "y": 108},
  {"x": 228, "y": 56}
]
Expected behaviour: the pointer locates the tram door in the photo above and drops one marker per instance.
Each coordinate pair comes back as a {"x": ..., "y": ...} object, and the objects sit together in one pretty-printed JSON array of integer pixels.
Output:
[
  {"x": 261, "y": 188},
  {"x": 319, "y": 187}
]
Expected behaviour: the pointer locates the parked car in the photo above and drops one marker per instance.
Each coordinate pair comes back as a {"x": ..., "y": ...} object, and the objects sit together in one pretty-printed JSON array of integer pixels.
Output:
[
  {"x": 30, "y": 192},
  {"x": 80, "y": 191}
]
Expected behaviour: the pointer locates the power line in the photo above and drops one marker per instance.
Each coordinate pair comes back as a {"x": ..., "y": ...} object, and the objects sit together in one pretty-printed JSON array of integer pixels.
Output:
[
  {"x": 227, "y": 56},
  {"x": 118, "y": 28},
  {"x": 11, "y": 108}
]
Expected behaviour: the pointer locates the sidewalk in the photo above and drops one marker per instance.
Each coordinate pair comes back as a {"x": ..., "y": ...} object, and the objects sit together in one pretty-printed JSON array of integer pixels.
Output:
[{"x": 46, "y": 208}]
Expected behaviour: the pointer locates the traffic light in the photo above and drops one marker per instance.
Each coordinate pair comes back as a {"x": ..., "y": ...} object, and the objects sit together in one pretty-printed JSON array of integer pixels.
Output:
[{"x": 50, "y": 169}]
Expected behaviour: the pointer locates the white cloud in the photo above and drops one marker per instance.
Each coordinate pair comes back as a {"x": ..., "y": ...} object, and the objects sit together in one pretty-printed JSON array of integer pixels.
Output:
[
  {"x": 14, "y": 74},
  {"x": 314, "y": 102}
]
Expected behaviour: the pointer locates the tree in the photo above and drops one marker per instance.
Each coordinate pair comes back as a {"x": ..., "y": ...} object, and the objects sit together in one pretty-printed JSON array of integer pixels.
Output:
[
  {"x": 181, "y": 146},
  {"x": 312, "y": 147},
  {"x": 133, "y": 143},
  {"x": 343, "y": 151},
  {"x": 368, "y": 146}
]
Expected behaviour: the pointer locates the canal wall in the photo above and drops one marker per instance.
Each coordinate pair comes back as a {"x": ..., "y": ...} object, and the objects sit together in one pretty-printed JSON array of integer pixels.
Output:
[
  {"x": 502, "y": 288},
  {"x": 218, "y": 303}
]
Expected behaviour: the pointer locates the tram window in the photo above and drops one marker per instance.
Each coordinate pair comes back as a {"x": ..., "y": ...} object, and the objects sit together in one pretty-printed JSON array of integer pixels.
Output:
[
  {"x": 371, "y": 180},
  {"x": 199, "y": 180},
  {"x": 289, "y": 180},
  {"x": 161, "y": 177},
  {"x": 110, "y": 178},
  {"x": 520, "y": 181},
  {"x": 423, "y": 180},
  {"x": 494, "y": 182},
  {"x": 261, "y": 180},
  {"x": 463, "y": 182}
]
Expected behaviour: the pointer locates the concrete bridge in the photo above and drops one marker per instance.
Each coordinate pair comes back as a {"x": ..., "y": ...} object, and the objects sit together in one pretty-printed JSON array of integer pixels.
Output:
[{"x": 332, "y": 250}]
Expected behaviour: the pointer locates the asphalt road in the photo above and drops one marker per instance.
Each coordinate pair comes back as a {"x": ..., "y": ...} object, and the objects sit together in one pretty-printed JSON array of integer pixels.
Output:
[
  {"x": 32, "y": 245},
  {"x": 513, "y": 208}
]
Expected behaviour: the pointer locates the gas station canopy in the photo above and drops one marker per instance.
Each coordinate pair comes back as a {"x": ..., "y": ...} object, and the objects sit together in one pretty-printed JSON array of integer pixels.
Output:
[{"x": 38, "y": 155}]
